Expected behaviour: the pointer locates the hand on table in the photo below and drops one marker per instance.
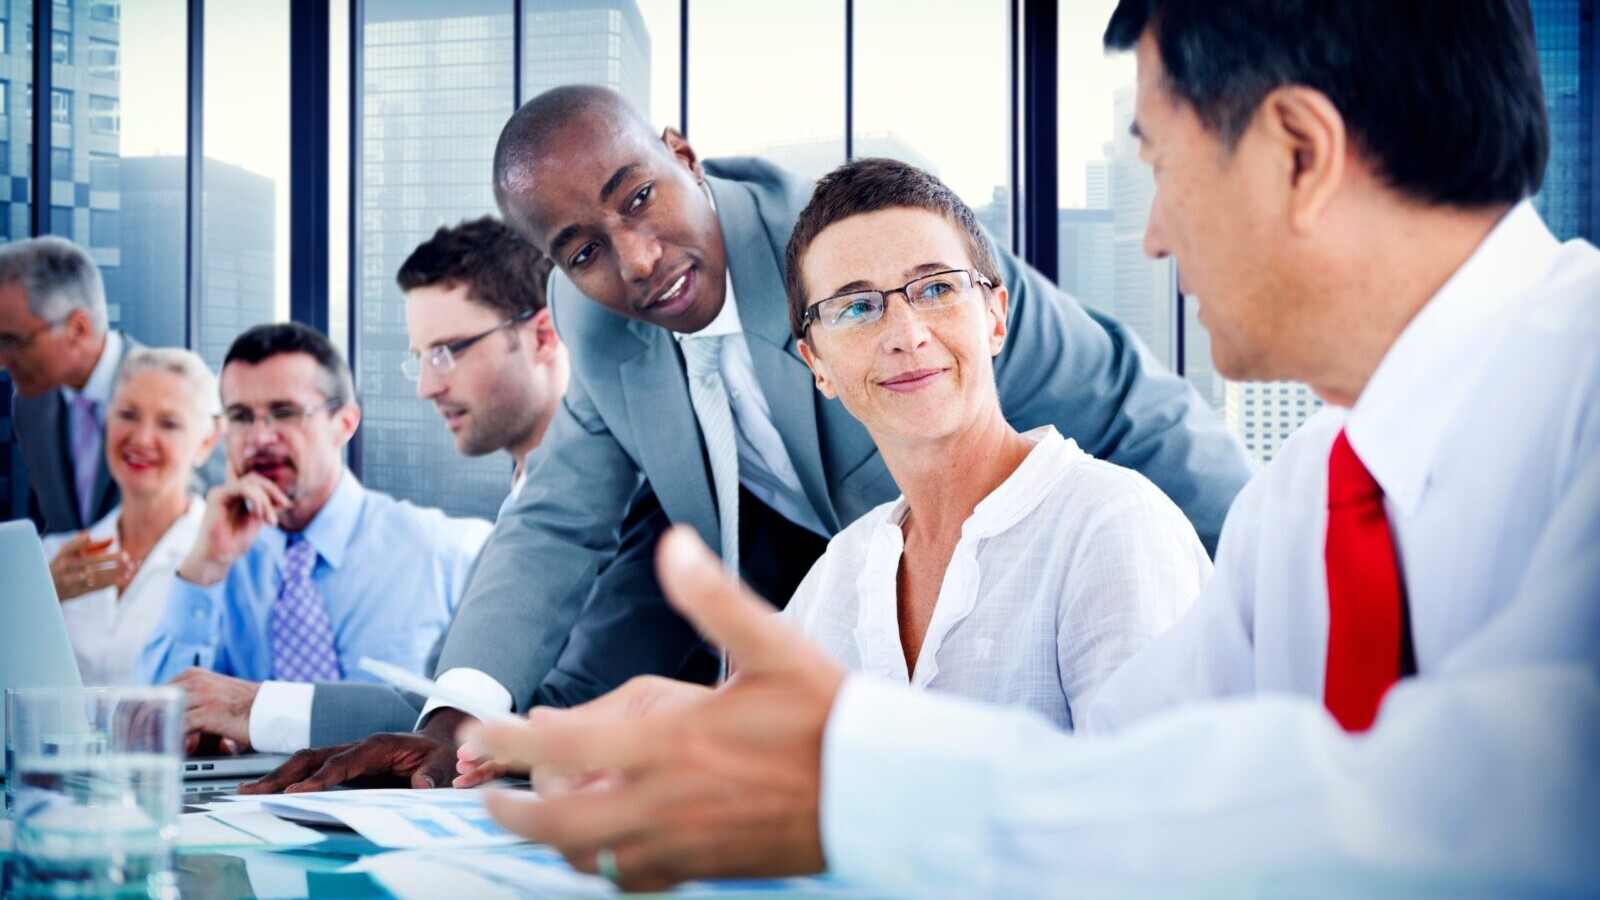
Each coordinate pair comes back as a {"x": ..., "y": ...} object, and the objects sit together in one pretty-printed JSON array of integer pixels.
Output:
[
  {"x": 83, "y": 565},
  {"x": 718, "y": 784},
  {"x": 218, "y": 706},
  {"x": 645, "y": 694},
  {"x": 421, "y": 759}
]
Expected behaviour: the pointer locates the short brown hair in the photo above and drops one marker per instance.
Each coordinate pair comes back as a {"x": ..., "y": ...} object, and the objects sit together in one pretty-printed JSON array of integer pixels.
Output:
[
  {"x": 500, "y": 269},
  {"x": 868, "y": 185}
]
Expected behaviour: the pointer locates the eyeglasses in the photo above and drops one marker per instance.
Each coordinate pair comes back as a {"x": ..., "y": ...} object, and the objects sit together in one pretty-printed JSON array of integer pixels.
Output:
[
  {"x": 442, "y": 359},
  {"x": 858, "y": 308},
  {"x": 11, "y": 343},
  {"x": 239, "y": 420}
]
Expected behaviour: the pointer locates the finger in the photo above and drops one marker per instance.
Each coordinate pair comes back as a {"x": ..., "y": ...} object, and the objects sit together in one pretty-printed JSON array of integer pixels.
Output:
[
  {"x": 571, "y": 743},
  {"x": 477, "y": 774},
  {"x": 300, "y": 765},
  {"x": 230, "y": 746},
  {"x": 259, "y": 502},
  {"x": 434, "y": 772},
  {"x": 191, "y": 742},
  {"x": 722, "y": 609},
  {"x": 575, "y": 821},
  {"x": 274, "y": 495},
  {"x": 366, "y": 758},
  {"x": 88, "y": 547},
  {"x": 76, "y": 543}
]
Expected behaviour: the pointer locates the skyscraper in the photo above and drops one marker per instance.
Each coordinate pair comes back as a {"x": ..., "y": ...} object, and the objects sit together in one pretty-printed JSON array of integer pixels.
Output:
[
  {"x": 1144, "y": 295},
  {"x": 437, "y": 88},
  {"x": 237, "y": 283},
  {"x": 1264, "y": 413},
  {"x": 1565, "y": 33}
]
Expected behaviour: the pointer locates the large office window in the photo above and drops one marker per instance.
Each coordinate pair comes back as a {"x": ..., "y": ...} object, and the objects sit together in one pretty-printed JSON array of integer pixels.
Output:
[
  {"x": 750, "y": 95},
  {"x": 135, "y": 177},
  {"x": 436, "y": 89},
  {"x": 932, "y": 87},
  {"x": 1565, "y": 32},
  {"x": 1105, "y": 190},
  {"x": 244, "y": 231},
  {"x": 628, "y": 45}
]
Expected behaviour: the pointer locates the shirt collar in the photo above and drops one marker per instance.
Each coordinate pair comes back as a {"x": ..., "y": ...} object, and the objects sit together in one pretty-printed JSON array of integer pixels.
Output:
[
  {"x": 727, "y": 321},
  {"x": 334, "y": 526},
  {"x": 1398, "y": 423},
  {"x": 103, "y": 378}
]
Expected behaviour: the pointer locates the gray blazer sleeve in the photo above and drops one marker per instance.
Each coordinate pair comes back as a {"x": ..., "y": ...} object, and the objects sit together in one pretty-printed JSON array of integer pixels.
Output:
[
  {"x": 542, "y": 558},
  {"x": 1093, "y": 379},
  {"x": 347, "y": 711}
]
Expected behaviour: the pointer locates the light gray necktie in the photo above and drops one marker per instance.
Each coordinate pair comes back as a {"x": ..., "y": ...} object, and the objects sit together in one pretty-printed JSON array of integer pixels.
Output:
[{"x": 709, "y": 395}]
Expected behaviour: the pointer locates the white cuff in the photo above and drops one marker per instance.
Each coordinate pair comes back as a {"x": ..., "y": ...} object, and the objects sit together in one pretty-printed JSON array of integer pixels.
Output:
[
  {"x": 906, "y": 789},
  {"x": 489, "y": 693},
  {"x": 280, "y": 718}
]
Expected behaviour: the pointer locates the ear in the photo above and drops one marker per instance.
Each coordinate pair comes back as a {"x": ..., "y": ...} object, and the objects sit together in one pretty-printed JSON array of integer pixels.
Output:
[
  {"x": 346, "y": 419},
  {"x": 78, "y": 325},
  {"x": 818, "y": 370},
  {"x": 678, "y": 146},
  {"x": 999, "y": 302},
  {"x": 545, "y": 341},
  {"x": 1311, "y": 135}
]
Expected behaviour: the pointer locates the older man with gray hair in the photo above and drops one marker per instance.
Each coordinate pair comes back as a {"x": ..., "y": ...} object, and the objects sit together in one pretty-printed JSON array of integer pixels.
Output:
[{"x": 62, "y": 358}]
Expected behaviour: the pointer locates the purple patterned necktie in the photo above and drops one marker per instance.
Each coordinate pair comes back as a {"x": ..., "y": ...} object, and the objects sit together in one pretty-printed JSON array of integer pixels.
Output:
[
  {"x": 85, "y": 454},
  {"x": 302, "y": 638}
]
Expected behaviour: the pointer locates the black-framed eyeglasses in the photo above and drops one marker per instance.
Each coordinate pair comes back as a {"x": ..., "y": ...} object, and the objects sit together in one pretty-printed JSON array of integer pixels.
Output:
[
  {"x": 277, "y": 417},
  {"x": 11, "y": 343},
  {"x": 442, "y": 359},
  {"x": 926, "y": 292}
]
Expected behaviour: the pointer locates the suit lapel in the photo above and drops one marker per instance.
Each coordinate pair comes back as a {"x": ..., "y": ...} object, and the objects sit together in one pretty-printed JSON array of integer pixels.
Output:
[
  {"x": 764, "y": 313},
  {"x": 667, "y": 434}
]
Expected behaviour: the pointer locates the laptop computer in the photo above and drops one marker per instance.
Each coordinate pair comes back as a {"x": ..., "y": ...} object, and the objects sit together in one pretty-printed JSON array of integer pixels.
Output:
[{"x": 36, "y": 652}]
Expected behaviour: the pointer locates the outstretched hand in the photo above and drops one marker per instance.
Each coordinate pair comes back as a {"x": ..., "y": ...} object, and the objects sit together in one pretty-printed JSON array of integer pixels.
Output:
[{"x": 680, "y": 785}]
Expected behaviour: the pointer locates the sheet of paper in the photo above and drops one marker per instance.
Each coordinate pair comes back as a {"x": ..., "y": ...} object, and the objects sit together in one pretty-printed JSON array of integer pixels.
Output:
[
  {"x": 528, "y": 871},
  {"x": 242, "y": 829},
  {"x": 399, "y": 818}
]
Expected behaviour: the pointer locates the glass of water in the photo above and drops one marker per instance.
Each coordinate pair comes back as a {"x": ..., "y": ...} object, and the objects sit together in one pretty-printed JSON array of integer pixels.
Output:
[{"x": 93, "y": 779}]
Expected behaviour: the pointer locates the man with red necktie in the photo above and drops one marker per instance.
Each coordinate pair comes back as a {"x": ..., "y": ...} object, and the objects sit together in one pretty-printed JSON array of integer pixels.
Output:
[{"x": 1344, "y": 188}]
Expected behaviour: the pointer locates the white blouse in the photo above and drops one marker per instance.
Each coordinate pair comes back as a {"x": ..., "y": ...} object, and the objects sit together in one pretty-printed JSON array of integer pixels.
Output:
[
  {"x": 1063, "y": 572},
  {"x": 108, "y": 632}
]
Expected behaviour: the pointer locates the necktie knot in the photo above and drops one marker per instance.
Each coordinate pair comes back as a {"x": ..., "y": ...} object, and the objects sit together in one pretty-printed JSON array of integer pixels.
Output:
[
  {"x": 702, "y": 356},
  {"x": 299, "y": 557},
  {"x": 1349, "y": 482}
]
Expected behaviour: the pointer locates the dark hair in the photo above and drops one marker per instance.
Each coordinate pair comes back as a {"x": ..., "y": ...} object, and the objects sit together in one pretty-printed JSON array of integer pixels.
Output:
[
  {"x": 867, "y": 185},
  {"x": 275, "y": 339},
  {"x": 1442, "y": 97},
  {"x": 500, "y": 269}
]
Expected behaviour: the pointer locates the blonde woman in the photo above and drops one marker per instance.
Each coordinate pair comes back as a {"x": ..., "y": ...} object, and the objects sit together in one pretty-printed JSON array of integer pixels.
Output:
[{"x": 112, "y": 580}]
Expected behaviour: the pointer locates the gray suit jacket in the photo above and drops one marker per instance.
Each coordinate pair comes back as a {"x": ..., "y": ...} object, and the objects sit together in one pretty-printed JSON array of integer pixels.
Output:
[
  {"x": 41, "y": 426},
  {"x": 534, "y": 617}
]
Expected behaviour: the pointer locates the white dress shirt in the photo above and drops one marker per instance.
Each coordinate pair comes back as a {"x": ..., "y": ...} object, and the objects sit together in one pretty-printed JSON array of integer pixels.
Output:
[
  {"x": 1482, "y": 424},
  {"x": 1064, "y": 571},
  {"x": 108, "y": 631}
]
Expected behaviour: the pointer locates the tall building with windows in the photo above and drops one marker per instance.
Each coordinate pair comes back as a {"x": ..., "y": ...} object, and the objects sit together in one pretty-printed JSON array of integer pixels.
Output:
[
  {"x": 1565, "y": 33},
  {"x": 1264, "y": 414},
  {"x": 437, "y": 88},
  {"x": 1143, "y": 299},
  {"x": 237, "y": 281}
]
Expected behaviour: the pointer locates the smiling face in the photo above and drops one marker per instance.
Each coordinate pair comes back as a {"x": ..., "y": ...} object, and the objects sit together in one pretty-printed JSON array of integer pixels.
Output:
[
  {"x": 498, "y": 392},
  {"x": 625, "y": 216},
  {"x": 156, "y": 433},
  {"x": 913, "y": 375}
]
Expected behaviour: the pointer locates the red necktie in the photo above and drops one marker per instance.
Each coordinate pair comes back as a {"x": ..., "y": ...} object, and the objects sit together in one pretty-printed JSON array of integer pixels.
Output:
[{"x": 1365, "y": 596}]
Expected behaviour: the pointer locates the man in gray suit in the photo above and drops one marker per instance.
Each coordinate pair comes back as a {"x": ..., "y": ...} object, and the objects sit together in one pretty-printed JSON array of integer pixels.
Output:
[
  {"x": 687, "y": 386},
  {"x": 62, "y": 358}
]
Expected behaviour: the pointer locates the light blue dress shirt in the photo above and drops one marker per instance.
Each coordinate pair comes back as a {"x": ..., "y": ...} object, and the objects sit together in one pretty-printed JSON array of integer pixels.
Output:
[{"x": 390, "y": 574}]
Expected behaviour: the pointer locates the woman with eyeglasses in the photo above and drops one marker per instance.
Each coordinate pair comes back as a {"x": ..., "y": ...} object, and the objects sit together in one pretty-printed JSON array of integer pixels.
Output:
[
  {"x": 112, "y": 579},
  {"x": 1015, "y": 568}
]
